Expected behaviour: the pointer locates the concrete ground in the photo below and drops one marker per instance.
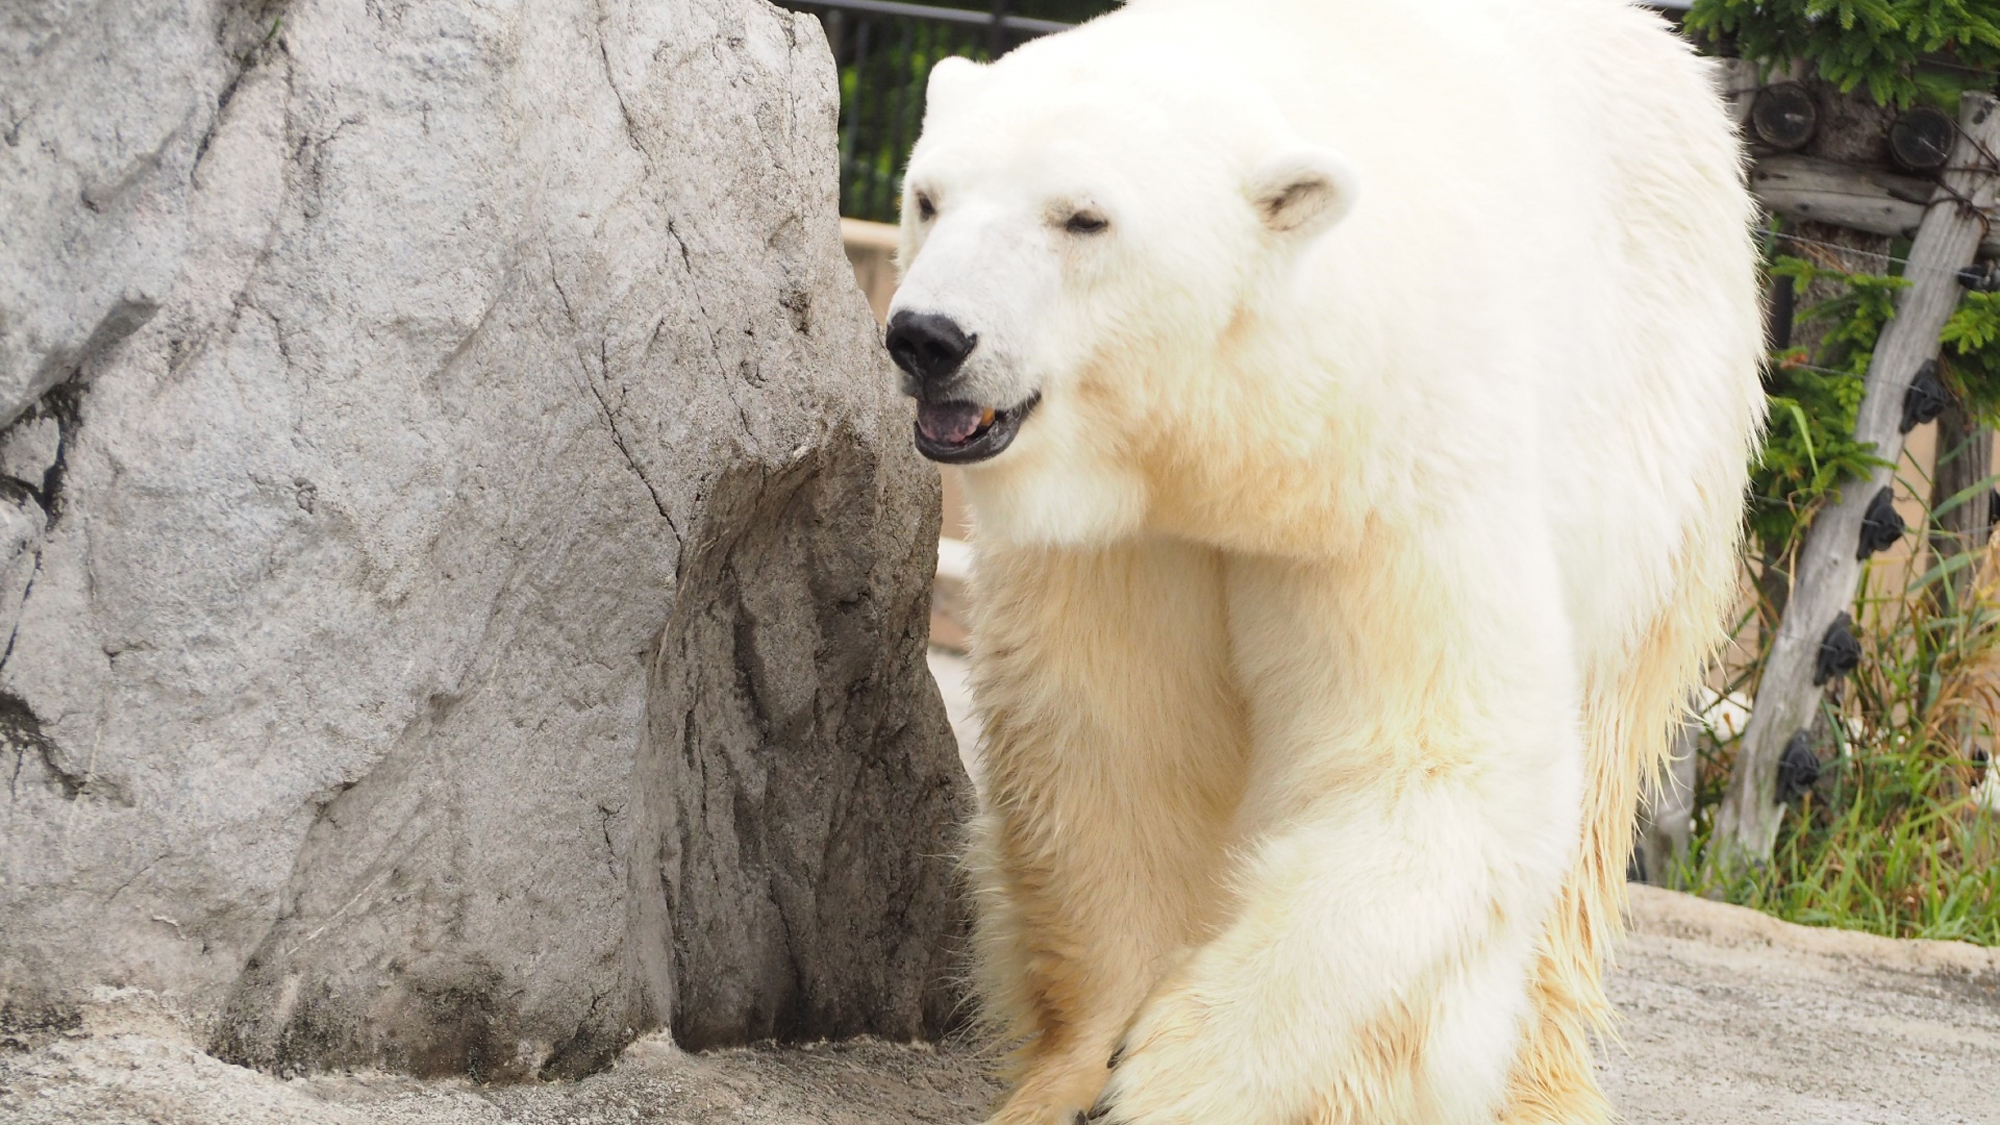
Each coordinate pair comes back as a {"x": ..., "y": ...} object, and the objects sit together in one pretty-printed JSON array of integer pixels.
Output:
[{"x": 1730, "y": 1018}]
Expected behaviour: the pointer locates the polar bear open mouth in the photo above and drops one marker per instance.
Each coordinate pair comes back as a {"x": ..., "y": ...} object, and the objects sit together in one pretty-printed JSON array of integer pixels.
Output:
[{"x": 959, "y": 433}]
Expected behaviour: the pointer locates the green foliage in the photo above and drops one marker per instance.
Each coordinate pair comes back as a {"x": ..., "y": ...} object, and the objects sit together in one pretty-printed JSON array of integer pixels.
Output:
[
  {"x": 882, "y": 105},
  {"x": 1971, "y": 355},
  {"x": 1884, "y": 45},
  {"x": 1896, "y": 859},
  {"x": 1810, "y": 448}
]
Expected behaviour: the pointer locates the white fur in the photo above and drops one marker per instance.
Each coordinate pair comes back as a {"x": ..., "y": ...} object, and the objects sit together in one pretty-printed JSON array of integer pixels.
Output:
[{"x": 1377, "y": 512}]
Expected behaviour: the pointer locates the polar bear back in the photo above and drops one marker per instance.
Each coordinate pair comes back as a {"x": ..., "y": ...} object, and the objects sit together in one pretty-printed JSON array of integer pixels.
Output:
[{"x": 1549, "y": 277}]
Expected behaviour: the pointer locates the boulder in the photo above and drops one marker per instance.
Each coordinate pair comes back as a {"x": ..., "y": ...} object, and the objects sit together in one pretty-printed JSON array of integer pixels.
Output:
[{"x": 463, "y": 567}]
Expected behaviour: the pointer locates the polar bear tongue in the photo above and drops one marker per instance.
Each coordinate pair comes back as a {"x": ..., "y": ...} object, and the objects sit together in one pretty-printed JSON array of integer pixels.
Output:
[{"x": 951, "y": 423}]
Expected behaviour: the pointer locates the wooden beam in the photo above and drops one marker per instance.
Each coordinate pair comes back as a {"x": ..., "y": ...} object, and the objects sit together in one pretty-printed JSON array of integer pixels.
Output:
[
  {"x": 1865, "y": 199},
  {"x": 1947, "y": 240}
]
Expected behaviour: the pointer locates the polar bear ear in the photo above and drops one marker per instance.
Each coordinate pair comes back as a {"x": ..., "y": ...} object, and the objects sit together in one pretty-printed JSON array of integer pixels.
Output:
[
  {"x": 953, "y": 79},
  {"x": 1302, "y": 192}
]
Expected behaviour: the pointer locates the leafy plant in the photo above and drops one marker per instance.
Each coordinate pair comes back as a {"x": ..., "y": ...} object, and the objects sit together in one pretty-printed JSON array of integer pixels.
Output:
[
  {"x": 1809, "y": 448},
  {"x": 1900, "y": 50},
  {"x": 1971, "y": 355}
]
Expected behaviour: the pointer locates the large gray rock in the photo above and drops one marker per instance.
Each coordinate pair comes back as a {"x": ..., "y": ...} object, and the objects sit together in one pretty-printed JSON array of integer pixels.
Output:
[{"x": 462, "y": 567}]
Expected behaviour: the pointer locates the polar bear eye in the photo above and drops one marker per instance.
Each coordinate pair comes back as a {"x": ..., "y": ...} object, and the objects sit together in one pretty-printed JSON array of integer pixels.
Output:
[
  {"x": 1085, "y": 222},
  {"x": 926, "y": 210}
]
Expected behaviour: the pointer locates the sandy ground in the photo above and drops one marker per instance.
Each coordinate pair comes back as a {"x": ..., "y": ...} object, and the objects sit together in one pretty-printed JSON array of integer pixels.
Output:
[
  {"x": 1729, "y": 1017},
  {"x": 1733, "y": 1016}
]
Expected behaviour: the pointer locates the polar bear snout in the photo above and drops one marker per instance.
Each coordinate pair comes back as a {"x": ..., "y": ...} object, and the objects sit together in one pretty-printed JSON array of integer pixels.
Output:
[
  {"x": 952, "y": 425},
  {"x": 930, "y": 348}
]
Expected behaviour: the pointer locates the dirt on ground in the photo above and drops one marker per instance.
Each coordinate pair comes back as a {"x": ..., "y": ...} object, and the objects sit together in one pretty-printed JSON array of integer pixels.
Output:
[{"x": 1728, "y": 1017}]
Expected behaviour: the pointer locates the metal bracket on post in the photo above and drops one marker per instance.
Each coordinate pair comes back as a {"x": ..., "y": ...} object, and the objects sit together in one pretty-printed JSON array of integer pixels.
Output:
[
  {"x": 1839, "y": 651},
  {"x": 1798, "y": 769},
  {"x": 1925, "y": 400},
  {"x": 1981, "y": 277},
  {"x": 1881, "y": 526}
]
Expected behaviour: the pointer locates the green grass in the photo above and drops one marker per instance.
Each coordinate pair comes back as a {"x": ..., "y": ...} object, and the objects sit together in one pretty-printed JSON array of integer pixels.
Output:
[{"x": 1899, "y": 855}]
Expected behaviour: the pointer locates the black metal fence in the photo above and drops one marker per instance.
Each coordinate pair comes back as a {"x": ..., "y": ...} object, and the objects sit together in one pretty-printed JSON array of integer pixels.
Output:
[{"x": 885, "y": 52}]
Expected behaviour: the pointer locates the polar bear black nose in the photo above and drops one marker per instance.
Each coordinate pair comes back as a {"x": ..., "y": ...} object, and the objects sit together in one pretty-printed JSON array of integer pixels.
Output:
[{"x": 928, "y": 347}]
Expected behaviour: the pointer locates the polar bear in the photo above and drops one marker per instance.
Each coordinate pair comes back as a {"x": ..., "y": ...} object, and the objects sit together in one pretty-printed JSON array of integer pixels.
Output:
[{"x": 1354, "y": 398}]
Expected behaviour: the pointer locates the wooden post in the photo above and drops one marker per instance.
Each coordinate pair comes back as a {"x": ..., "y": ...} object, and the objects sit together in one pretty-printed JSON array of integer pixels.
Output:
[
  {"x": 1814, "y": 190},
  {"x": 1964, "y": 454},
  {"x": 1787, "y": 696}
]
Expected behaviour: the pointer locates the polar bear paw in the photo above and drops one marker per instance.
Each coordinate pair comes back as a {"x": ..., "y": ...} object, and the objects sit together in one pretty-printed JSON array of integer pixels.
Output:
[{"x": 1172, "y": 1069}]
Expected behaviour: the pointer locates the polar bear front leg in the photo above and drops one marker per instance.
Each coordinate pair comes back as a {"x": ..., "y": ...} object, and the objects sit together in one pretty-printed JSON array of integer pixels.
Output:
[
  {"x": 1111, "y": 766},
  {"x": 1377, "y": 973},
  {"x": 1409, "y": 819}
]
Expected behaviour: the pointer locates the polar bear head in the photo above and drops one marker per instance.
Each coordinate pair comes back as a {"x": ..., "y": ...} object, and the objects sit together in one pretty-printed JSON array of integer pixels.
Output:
[{"x": 1081, "y": 238}]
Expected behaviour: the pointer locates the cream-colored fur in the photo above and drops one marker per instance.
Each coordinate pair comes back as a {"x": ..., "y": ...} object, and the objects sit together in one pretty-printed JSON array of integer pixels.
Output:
[{"x": 1377, "y": 512}]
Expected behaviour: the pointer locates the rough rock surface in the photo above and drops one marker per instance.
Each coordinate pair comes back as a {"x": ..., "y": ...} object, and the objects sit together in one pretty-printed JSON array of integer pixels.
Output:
[
  {"x": 1728, "y": 1016},
  {"x": 462, "y": 567}
]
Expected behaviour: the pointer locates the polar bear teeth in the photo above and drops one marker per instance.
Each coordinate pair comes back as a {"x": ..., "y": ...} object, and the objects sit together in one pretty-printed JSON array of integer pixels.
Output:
[
  {"x": 960, "y": 433},
  {"x": 954, "y": 423}
]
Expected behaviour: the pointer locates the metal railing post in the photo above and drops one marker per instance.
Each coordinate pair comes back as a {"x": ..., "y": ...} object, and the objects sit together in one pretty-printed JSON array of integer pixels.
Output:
[{"x": 996, "y": 31}]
